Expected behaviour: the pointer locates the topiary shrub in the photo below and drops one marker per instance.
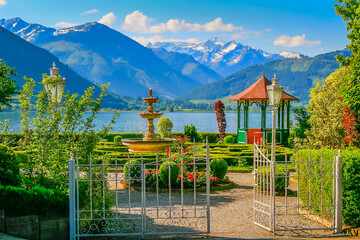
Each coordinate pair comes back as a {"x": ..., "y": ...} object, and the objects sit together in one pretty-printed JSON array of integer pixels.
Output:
[
  {"x": 218, "y": 168},
  {"x": 229, "y": 140},
  {"x": 164, "y": 127},
  {"x": 117, "y": 140},
  {"x": 164, "y": 172},
  {"x": 132, "y": 170},
  {"x": 9, "y": 167},
  {"x": 191, "y": 133}
]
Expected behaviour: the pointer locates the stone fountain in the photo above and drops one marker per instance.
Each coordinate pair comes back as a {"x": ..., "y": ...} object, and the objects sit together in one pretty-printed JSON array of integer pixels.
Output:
[{"x": 150, "y": 143}]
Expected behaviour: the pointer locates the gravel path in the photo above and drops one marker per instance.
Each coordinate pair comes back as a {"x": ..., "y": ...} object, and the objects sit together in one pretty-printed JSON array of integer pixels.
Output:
[{"x": 231, "y": 211}]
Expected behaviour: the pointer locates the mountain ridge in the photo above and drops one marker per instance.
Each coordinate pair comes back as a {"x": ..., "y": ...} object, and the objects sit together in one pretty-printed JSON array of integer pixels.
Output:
[
  {"x": 297, "y": 75},
  {"x": 224, "y": 58},
  {"x": 102, "y": 55}
]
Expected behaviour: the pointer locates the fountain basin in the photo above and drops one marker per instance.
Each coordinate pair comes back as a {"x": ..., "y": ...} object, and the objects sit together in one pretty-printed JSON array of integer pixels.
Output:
[
  {"x": 138, "y": 145},
  {"x": 150, "y": 115}
]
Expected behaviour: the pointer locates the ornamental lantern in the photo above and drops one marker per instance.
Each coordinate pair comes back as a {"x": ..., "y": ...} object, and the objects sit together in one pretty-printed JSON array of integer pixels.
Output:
[
  {"x": 274, "y": 92},
  {"x": 54, "y": 85}
]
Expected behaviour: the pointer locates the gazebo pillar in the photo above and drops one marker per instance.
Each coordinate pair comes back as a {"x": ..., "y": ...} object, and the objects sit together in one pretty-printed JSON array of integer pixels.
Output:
[
  {"x": 238, "y": 114},
  {"x": 246, "y": 115}
]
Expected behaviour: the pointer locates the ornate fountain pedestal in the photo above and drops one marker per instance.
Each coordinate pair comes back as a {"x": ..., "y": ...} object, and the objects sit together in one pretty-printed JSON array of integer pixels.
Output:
[{"x": 150, "y": 143}]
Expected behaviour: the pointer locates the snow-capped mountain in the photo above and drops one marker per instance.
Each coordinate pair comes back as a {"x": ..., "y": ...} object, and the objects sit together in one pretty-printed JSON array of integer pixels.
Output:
[
  {"x": 224, "y": 58},
  {"x": 290, "y": 54},
  {"x": 104, "y": 55}
]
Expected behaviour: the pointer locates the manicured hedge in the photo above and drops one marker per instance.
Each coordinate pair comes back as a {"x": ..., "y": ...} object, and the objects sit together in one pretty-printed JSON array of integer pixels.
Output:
[
  {"x": 350, "y": 183},
  {"x": 18, "y": 201}
]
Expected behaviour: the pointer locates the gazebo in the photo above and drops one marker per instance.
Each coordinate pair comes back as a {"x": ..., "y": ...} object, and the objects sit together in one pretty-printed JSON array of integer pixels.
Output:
[{"x": 257, "y": 93}]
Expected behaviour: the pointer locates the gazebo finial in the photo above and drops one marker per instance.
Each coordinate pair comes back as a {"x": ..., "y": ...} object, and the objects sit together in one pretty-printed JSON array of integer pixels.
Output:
[{"x": 263, "y": 74}]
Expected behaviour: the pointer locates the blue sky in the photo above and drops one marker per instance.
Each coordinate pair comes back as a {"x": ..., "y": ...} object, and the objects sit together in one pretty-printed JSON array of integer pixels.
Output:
[{"x": 308, "y": 27}]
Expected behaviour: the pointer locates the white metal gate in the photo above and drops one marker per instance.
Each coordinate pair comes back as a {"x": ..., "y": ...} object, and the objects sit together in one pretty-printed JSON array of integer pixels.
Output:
[
  {"x": 109, "y": 197},
  {"x": 281, "y": 203}
]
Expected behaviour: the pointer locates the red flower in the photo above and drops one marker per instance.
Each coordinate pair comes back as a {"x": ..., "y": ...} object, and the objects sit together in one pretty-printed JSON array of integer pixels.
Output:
[
  {"x": 179, "y": 152},
  {"x": 28, "y": 187},
  {"x": 174, "y": 157},
  {"x": 147, "y": 172},
  {"x": 190, "y": 176},
  {"x": 34, "y": 180},
  {"x": 184, "y": 160},
  {"x": 192, "y": 162},
  {"x": 159, "y": 165},
  {"x": 178, "y": 144}
]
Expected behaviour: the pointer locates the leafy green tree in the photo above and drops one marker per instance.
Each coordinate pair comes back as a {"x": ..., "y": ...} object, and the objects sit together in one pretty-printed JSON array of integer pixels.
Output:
[
  {"x": 297, "y": 132},
  {"x": 7, "y": 84},
  {"x": 326, "y": 112},
  {"x": 164, "y": 127},
  {"x": 59, "y": 129},
  {"x": 350, "y": 90}
]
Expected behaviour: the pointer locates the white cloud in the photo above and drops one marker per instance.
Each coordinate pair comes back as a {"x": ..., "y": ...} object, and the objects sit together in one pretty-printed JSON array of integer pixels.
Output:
[
  {"x": 138, "y": 22},
  {"x": 296, "y": 41},
  {"x": 268, "y": 30},
  {"x": 64, "y": 24},
  {"x": 2, "y": 3},
  {"x": 90, "y": 12},
  {"x": 157, "y": 38},
  {"x": 108, "y": 19},
  {"x": 245, "y": 34}
]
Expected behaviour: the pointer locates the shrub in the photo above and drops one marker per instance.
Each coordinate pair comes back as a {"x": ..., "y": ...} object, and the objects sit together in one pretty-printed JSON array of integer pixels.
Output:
[
  {"x": 36, "y": 200},
  {"x": 9, "y": 167},
  {"x": 212, "y": 137},
  {"x": 350, "y": 183},
  {"x": 218, "y": 168},
  {"x": 280, "y": 177},
  {"x": 191, "y": 132},
  {"x": 132, "y": 170},
  {"x": 164, "y": 127},
  {"x": 117, "y": 140},
  {"x": 164, "y": 172},
  {"x": 229, "y": 140}
]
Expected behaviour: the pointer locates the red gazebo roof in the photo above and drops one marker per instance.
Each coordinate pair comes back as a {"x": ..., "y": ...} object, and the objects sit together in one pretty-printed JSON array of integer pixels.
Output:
[{"x": 258, "y": 91}]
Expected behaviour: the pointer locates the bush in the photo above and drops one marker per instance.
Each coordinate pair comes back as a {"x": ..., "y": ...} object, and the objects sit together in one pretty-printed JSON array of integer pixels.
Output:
[
  {"x": 191, "y": 133},
  {"x": 132, "y": 169},
  {"x": 164, "y": 172},
  {"x": 280, "y": 177},
  {"x": 164, "y": 127},
  {"x": 41, "y": 201},
  {"x": 218, "y": 168},
  {"x": 350, "y": 183},
  {"x": 9, "y": 167},
  {"x": 117, "y": 140},
  {"x": 229, "y": 140}
]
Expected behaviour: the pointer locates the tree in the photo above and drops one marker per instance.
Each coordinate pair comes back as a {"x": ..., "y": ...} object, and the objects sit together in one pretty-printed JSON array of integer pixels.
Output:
[
  {"x": 7, "y": 84},
  {"x": 350, "y": 90},
  {"x": 326, "y": 112},
  {"x": 59, "y": 129},
  {"x": 298, "y": 132},
  {"x": 220, "y": 118},
  {"x": 164, "y": 127}
]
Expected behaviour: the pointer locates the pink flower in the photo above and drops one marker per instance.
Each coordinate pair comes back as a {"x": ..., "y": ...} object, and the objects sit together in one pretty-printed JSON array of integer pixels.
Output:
[{"x": 147, "y": 172}]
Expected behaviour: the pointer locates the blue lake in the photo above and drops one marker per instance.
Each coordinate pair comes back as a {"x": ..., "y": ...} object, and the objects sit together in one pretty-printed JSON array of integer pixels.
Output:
[{"x": 132, "y": 122}]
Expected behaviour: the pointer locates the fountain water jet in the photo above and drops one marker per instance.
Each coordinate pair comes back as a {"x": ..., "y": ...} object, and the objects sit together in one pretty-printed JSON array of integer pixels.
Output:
[{"x": 150, "y": 143}]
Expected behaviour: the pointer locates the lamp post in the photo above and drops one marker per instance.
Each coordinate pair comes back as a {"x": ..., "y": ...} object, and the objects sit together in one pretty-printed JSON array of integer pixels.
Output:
[
  {"x": 274, "y": 93},
  {"x": 54, "y": 85}
]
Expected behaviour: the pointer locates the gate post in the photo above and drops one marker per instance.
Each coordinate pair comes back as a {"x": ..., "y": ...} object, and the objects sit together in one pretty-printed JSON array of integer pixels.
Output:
[
  {"x": 72, "y": 197},
  {"x": 208, "y": 184},
  {"x": 338, "y": 194}
]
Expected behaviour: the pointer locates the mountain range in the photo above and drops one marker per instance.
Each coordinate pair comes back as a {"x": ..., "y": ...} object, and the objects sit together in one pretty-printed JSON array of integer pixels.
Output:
[
  {"x": 297, "y": 75},
  {"x": 225, "y": 58},
  {"x": 32, "y": 61},
  {"x": 103, "y": 55}
]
